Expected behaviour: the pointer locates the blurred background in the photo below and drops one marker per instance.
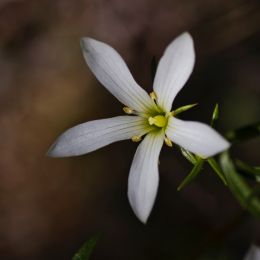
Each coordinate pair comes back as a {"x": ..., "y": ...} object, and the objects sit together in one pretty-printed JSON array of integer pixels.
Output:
[{"x": 49, "y": 207}]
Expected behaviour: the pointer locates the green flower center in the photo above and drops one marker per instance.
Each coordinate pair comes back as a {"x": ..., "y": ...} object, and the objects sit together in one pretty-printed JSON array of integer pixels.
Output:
[
  {"x": 159, "y": 121},
  {"x": 156, "y": 118}
]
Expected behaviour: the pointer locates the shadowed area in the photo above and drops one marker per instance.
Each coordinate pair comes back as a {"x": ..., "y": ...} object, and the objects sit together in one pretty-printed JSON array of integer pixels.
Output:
[{"x": 50, "y": 206}]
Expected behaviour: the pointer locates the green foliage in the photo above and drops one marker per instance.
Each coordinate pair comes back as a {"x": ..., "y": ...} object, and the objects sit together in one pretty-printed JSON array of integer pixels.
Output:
[
  {"x": 240, "y": 189},
  {"x": 215, "y": 166},
  {"x": 188, "y": 155},
  {"x": 192, "y": 175},
  {"x": 247, "y": 169},
  {"x": 183, "y": 108},
  {"x": 244, "y": 133},
  {"x": 86, "y": 250},
  {"x": 215, "y": 115},
  {"x": 198, "y": 162},
  {"x": 247, "y": 196}
]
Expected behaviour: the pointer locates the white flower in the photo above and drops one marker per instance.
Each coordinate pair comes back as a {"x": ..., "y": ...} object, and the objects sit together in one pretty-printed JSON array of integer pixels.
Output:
[
  {"x": 253, "y": 253},
  {"x": 148, "y": 115}
]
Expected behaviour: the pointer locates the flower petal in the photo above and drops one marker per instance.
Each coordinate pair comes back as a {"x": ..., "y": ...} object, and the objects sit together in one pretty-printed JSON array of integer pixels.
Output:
[
  {"x": 196, "y": 137},
  {"x": 144, "y": 177},
  {"x": 110, "y": 69},
  {"x": 174, "y": 70},
  {"x": 253, "y": 253},
  {"x": 87, "y": 137}
]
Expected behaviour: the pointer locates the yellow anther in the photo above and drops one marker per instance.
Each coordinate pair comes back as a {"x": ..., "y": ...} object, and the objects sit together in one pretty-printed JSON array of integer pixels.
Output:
[
  {"x": 136, "y": 138},
  {"x": 167, "y": 141},
  {"x": 128, "y": 110},
  {"x": 153, "y": 95},
  {"x": 159, "y": 121}
]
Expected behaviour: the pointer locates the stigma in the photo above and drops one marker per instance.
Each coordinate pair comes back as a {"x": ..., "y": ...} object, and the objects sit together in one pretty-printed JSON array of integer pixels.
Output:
[{"x": 159, "y": 121}]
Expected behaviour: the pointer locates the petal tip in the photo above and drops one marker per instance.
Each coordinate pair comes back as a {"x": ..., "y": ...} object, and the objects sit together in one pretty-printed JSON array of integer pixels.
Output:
[
  {"x": 223, "y": 146},
  {"x": 227, "y": 144},
  {"x": 186, "y": 36},
  {"x": 49, "y": 153},
  {"x": 52, "y": 152},
  {"x": 140, "y": 214},
  {"x": 143, "y": 219},
  {"x": 140, "y": 211},
  {"x": 89, "y": 44},
  {"x": 85, "y": 42},
  {"x": 57, "y": 150}
]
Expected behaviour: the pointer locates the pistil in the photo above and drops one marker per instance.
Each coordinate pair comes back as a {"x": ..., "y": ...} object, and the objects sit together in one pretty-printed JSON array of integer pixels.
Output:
[{"x": 158, "y": 120}]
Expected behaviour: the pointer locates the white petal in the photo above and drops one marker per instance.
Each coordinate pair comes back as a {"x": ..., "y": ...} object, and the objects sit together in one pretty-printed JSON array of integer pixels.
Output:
[
  {"x": 110, "y": 69},
  {"x": 196, "y": 137},
  {"x": 87, "y": 137},
  {"x": 144, "y": 177},
  {"x": 174, "y": 70},
  {"x": 253, "y": 253}
]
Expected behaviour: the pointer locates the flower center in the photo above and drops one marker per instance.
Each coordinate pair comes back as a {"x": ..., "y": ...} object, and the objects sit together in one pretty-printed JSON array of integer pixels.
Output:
[
  {"x": 156, "y": 118},
  {"x": 159, "y": 121}
]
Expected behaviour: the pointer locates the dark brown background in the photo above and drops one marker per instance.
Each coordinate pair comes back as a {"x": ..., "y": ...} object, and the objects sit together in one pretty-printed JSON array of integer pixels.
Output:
[{"x": 49, "y": 207}]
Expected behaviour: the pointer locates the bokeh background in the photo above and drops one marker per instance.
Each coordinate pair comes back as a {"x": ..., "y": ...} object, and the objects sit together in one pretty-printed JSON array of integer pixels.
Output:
[{"x": 49, "y": 207}]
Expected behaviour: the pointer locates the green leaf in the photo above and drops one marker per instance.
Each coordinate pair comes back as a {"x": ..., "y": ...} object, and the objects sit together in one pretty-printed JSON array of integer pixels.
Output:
[
  {"x": 215, "y": 166},
  {"x": 188, "y": 155},
  {"x": 257, "y": 177},
  {"x": 241, "y": 190},
  {"x": 215, "y": 115},
  {"x": 253, "y": 171},
  {"x": 244, "y": 133},
  {"x": 86, "y": 250},
  {"x": 192, "y": 175}
]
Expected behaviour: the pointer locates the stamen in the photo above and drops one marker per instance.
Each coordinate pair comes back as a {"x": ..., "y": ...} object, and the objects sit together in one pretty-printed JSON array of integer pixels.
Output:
[
  {"x": 136, "y": 138},
  {"x": 128, "y": 110},
  {"x": 167, "y": 141},
  {"x": 153, "y": 95}
]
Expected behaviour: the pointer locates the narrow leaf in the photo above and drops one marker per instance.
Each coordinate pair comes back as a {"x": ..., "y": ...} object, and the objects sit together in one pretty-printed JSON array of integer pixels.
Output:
[
  {"x": 244, "y": 133},
  {"x": 239, "y": 187},
  {"x": 257, "y": 177},
  {"x": 215, "y": 115},
  {"x": 253, "y": 171},
  {"x": 183, "y": 108},
  {"x": 86, "y": 250},
  {"x": 192, "y": 175},
  {"x": 215, "y": 166},
  {"x": 188, "y": 155}
]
